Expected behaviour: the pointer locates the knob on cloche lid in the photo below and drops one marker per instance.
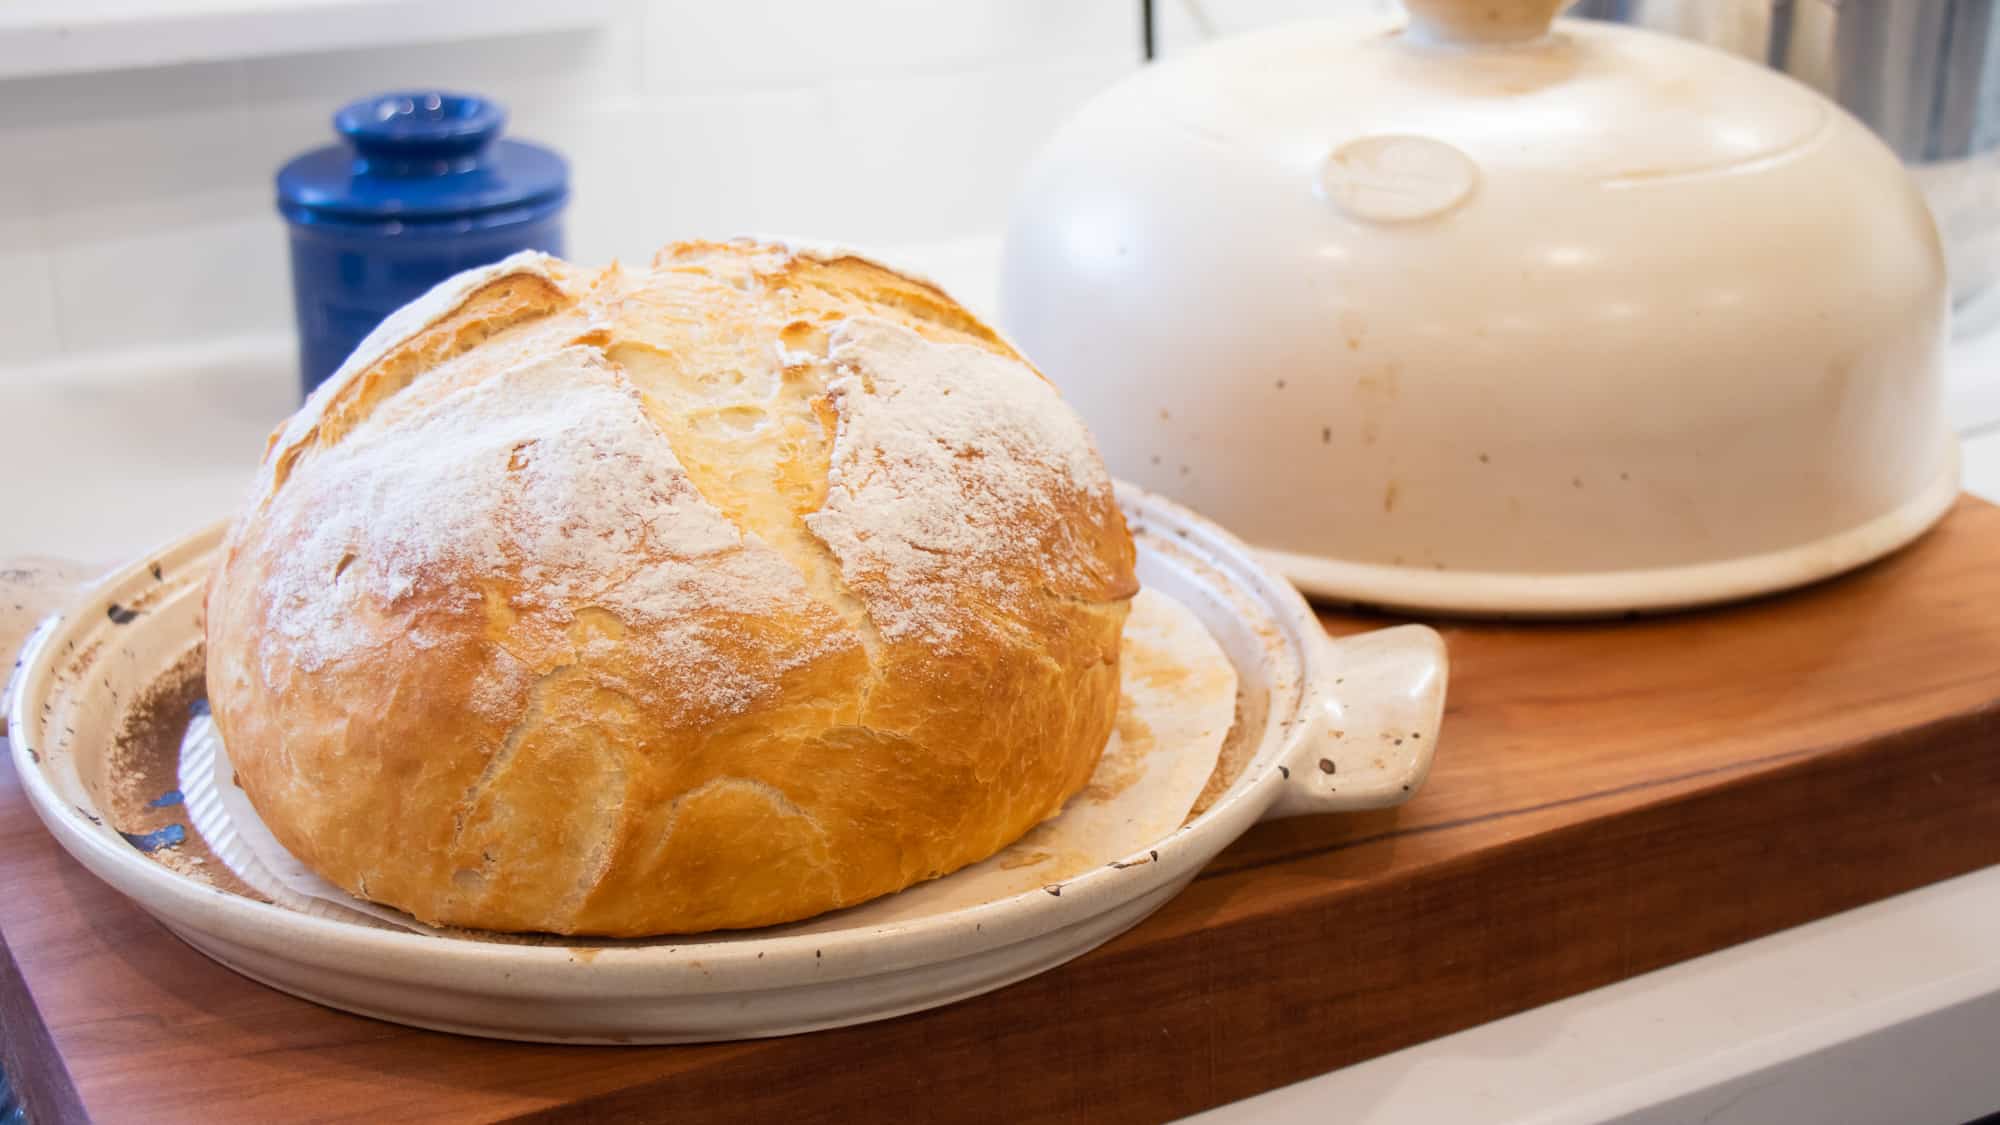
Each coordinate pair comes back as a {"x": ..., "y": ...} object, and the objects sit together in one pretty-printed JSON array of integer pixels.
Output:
[
  {"x": 1476, "y": 312},
  {"x": 418, "y": 157}
]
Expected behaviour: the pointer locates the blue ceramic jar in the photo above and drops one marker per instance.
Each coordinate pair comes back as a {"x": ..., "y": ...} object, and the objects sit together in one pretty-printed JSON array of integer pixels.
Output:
[{"x": 423, "y": 188}]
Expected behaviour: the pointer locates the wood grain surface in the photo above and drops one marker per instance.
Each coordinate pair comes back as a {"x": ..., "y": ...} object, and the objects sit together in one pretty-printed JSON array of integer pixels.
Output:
[{"x": 1608, "y": 799}]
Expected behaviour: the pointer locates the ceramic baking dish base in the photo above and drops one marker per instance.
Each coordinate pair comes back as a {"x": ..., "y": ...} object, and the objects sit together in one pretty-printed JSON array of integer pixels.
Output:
[{"x": 1323, "y": 726}]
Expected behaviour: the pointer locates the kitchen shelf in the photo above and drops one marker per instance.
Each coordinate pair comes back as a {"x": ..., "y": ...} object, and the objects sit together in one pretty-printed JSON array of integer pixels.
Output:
[{"x": 45, "y": 37}]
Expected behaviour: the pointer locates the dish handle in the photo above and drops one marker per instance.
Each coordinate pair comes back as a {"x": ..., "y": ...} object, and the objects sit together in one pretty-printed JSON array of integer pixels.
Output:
[{"x": 1374, "y": 725}]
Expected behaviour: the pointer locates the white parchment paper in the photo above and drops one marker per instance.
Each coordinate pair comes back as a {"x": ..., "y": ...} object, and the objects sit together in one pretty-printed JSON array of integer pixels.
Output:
[{"x": 1177, "y": 703}]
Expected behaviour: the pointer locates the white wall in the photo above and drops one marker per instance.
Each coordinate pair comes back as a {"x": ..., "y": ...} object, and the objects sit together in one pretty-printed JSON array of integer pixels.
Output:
[{"x": 135, "y": 204}]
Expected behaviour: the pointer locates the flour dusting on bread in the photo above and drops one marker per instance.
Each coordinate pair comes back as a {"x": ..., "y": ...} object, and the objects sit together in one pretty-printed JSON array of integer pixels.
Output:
[
  {"x": 718, "y": 593},
  {"x": 941, "y": 450},
  {"x": 551, "y": 471}
]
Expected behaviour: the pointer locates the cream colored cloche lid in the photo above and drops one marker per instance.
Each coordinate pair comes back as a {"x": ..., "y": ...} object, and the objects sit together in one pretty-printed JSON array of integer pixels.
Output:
[{"x": 1472, "y": 313}]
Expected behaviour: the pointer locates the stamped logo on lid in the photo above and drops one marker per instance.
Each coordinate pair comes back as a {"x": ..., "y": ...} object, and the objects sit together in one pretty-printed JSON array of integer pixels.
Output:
[{"x": 1397, "y": 178}]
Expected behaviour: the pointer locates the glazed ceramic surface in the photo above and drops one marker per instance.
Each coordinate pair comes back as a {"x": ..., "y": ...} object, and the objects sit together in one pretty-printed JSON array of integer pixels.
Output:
[
  {"x": 1332, "y": 725},
  {"x": 1475, "y": 314}
]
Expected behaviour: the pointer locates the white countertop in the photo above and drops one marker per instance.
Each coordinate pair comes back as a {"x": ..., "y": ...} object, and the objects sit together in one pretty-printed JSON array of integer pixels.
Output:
[{"x": 1885, "y": 1013}]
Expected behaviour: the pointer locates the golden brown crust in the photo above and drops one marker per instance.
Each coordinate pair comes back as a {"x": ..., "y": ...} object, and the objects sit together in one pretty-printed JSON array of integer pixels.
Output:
[{"x": 684, "y": 640}]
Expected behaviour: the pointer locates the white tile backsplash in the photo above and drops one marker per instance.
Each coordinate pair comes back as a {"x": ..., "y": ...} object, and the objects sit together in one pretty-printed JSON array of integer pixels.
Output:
[
  {"x": 127, "y": 151},
  {"x": 178, "y": 282},
  {"x": 531, "y": 69},
  {"x": 691, "y": 166},
  {"x": 30, "y": 330},
  {"x": 766, "y": 43},
  {"x": 20, "y": 205},
  {"x": 925, "y": 158},
  {"x": 136, "y": 205}
]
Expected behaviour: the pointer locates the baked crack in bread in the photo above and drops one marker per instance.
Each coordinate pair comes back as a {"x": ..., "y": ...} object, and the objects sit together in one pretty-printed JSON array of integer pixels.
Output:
[{"x": 752, "y": 585}]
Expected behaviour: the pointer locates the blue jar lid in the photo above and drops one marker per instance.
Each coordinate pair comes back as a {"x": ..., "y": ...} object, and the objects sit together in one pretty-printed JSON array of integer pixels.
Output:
[{"x": 422, "y": 157}]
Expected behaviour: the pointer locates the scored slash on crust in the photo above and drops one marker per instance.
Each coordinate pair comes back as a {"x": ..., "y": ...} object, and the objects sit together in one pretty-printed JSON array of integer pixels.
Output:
[{"x": 631, "y": 583}]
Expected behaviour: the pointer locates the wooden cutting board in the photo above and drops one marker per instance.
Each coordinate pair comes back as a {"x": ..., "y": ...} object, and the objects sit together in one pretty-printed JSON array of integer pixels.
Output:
[{"x": 1608, "y": 799}]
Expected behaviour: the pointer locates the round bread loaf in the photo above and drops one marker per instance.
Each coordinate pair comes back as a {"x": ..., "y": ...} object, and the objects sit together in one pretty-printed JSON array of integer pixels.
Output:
[{"x": 723, "y": 593}]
